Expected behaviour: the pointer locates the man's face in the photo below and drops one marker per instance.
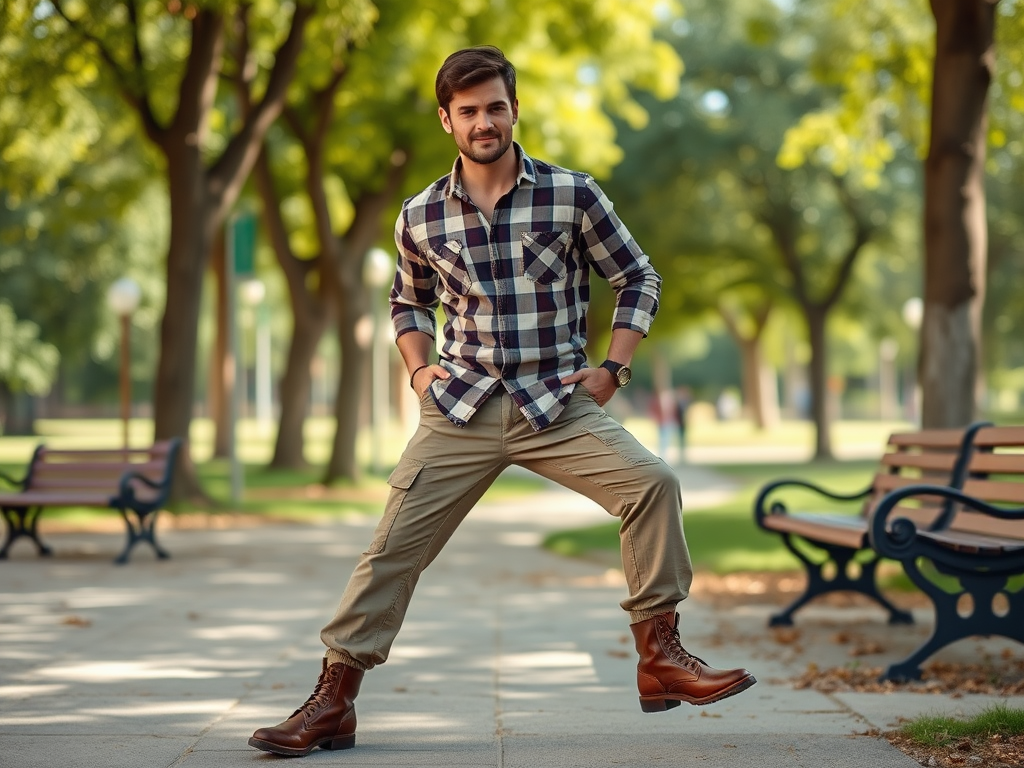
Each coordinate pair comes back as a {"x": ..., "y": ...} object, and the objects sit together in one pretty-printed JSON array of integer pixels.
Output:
[{"x": 481, "y": 119}]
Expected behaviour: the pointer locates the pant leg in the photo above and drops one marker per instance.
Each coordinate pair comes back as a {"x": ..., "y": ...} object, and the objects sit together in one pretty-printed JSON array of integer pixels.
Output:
[
  {"x": 588, "y": 451},
  {"x": 442, "y": 474}
]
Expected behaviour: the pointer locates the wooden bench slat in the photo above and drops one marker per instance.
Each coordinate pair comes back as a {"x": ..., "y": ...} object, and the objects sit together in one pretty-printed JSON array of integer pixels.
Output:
[
  {"x": 986, "y": 546},
  {"x": 995, "y": 490},
  {"x": 939, "y": 462},
  {"x": 843, "y": 530},
  {"x": 100, "y": 466},
  {"x": 56, "y": 499},
  {"x": 103, "y": 454},
  {"x": 997, "y": 463},
  {"x": 929, "y": 438},
  {"x": 967, "y": 522},
  {"x": 993, "y": 437}
]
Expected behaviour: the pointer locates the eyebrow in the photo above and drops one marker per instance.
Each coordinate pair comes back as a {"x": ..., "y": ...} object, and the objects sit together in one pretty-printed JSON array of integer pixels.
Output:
[{"x": 492, "y": 105}]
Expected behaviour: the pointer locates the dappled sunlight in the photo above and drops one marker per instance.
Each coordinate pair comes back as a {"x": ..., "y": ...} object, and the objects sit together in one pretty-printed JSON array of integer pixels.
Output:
[
  {"x": 521, "y": 539},
  {"x": 173, "y": 707},
  {"x": 415, "y": 721},
  {"x": 255, "y": 578},
  {"x": 114, "y": 671},
  {"x": 26, "y": 691},
  {"x": 560, "y": 667},
  {"x": 83, "y": 597},
  {"x": 34, "y": 719},
  {"x": 239, "y": 632}
]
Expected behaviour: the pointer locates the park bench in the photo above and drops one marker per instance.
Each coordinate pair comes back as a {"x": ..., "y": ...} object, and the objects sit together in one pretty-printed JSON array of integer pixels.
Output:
[
  {"x": 834, "y": 546},
  {"x": 969, "y": 561},
  {"x": 135, "y": 481}
]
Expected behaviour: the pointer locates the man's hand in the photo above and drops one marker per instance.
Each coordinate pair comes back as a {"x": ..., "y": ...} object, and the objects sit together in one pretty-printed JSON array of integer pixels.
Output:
[
  {"x": 425, "y": 376},
  {"x": 599, "y": 382}
]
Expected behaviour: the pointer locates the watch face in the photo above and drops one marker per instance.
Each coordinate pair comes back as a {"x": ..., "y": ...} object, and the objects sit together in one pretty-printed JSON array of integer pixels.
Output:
[{"x": 624, "y": 375}]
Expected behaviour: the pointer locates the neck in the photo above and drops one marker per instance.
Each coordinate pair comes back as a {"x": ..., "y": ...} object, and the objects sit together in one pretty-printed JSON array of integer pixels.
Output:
[{"x": 493, "y": 178}]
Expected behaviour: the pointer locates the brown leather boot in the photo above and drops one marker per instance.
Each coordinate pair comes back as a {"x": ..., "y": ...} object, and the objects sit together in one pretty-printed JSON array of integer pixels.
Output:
[
  {"x": 327, "y": 719},
  {"x": 667, "y": 674}
]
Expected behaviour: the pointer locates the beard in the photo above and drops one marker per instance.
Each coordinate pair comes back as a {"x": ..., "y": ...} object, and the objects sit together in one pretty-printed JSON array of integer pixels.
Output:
[{"x": 485, "y": 155}]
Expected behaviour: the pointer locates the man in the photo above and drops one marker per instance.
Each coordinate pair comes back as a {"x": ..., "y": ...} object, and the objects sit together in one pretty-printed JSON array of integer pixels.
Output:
[{"x": 506, "y": 244}]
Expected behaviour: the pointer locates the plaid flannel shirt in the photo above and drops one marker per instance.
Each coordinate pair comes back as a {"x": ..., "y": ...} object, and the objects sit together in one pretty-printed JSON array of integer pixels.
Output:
[{"x": 515, "y": 290}]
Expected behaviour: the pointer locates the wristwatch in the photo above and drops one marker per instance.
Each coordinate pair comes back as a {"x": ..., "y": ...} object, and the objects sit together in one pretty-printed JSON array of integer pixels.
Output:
[{"x": 621, "y": 372}]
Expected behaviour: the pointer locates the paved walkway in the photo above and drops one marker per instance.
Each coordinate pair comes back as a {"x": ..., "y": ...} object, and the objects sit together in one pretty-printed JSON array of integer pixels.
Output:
[{"x": 510, "y": 657}]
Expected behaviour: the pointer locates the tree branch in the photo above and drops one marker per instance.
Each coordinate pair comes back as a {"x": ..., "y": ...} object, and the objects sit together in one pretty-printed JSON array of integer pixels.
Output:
[
  {"x": 862, "y": 232},
  {"x": 246, "y": 144},
  {"x": 136, "y": 96}
]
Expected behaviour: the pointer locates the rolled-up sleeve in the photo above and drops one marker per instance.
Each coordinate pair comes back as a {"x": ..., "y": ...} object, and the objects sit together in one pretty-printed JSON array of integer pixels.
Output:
[
  {"x": 414, "y": 295},
  {"x": 617, "y": 257}
]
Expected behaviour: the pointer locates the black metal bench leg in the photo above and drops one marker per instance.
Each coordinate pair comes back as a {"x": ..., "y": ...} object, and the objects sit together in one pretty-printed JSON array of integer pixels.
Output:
[
  {"x": 950, "y": 626},
  {"x": 817, "y": 584},
  {"x": 142, "y": 528},
  {"x": 22, "y": 521}
]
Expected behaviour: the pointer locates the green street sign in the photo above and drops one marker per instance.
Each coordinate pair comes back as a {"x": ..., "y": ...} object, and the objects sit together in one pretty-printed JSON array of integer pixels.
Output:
[{"x": 243, "y": 244}]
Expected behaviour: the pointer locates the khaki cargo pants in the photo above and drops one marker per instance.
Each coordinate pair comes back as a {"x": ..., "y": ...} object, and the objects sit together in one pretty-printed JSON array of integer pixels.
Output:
[{"x": 446, "y": 469}]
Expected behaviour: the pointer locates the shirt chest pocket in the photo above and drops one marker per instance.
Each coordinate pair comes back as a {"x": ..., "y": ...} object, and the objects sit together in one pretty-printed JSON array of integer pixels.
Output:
[
  {"x": 447, "y": 259},
  {"x": 545, "y": 256}
]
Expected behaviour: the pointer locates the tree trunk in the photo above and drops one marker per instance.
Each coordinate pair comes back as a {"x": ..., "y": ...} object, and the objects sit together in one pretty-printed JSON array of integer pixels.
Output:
[
  {"x": 192, "y": 226},
  {"x": 759, "y": 391},
  {"x": 818, "y": 369},
  {"x": 310, "y": 309},
  {"x": 955, "y": 236},
  {"x": 17, "y": 413},
  {"x": 352, "y": 312},
  {"x": 296, "y": 384},
  {"x": 352, "y": 306}
]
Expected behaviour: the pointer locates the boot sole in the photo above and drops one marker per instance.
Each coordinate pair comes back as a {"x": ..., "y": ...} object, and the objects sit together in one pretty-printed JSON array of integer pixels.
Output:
[
  {"x": 666, "y": 701},
  {"x": 345, "y": 742}
]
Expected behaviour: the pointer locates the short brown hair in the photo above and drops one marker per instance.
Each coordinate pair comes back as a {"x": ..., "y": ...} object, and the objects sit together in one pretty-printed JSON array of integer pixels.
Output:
[{"x": 472, "y": 66}]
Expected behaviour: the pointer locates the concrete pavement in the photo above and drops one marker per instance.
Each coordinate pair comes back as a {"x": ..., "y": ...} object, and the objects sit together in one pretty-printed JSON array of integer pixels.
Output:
[{"x": 510, "y": 656}]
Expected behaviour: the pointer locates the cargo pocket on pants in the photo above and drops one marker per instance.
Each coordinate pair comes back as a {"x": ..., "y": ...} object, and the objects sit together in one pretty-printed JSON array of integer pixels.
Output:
[
  {"x": 619, "y": 440},
  {"x": 401, "y": 481}
]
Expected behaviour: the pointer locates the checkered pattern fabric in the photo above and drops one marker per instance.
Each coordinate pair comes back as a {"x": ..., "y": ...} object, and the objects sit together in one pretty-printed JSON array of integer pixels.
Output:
[{"x": 515, "y": 290}]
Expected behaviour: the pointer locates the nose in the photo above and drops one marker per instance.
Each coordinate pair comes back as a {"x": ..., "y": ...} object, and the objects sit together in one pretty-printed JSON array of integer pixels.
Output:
[{"x": 484, "y": 123}]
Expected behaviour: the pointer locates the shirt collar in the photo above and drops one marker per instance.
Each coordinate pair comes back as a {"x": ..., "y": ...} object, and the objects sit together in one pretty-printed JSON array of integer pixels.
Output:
[{"x": 527, "y": 172}]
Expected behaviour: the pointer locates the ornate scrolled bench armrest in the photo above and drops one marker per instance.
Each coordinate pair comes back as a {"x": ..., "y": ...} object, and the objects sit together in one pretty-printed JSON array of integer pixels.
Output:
[{"x": 778, "y": 508}]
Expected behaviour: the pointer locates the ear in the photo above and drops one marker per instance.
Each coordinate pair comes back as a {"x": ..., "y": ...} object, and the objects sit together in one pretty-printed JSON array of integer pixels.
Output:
[
  {"x": 515, "y": 111},
  {"x": 445, "y": 119}
]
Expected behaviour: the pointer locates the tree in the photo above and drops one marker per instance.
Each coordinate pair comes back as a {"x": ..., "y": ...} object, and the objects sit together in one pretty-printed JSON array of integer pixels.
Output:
[
  {"x": 745, "y": 225},
  {"x": 149, "y": 50},
  {"x": 27, "y": 365},
  {"x": 76, "y": 208},
  {"x": 933, "y": 87}
]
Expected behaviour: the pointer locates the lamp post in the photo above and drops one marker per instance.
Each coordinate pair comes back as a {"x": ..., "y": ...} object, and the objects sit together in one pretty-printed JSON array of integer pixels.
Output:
[
  {"x": 253, "y": 292},
  {"x": 123, "y": 298},
  {"x": 377, "y": 271},
  {"x": 913, "y": 315}
]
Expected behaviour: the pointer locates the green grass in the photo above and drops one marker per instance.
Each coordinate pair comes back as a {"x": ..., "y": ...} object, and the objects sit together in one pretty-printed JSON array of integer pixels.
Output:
[
  {"x": 938, "y": 731},
  {"x": 725, "y": 538}
]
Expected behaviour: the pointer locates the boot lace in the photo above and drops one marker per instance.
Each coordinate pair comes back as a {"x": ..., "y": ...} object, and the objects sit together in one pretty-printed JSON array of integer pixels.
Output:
[
  {"x": 673, "y": 647},
  {"x": 323, "y": 692}
]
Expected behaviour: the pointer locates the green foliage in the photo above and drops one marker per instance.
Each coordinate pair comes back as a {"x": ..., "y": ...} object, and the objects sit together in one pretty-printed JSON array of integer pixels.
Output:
[
  {"x": 705, "y": 193},
  {"x": 26, "y": 363}
]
